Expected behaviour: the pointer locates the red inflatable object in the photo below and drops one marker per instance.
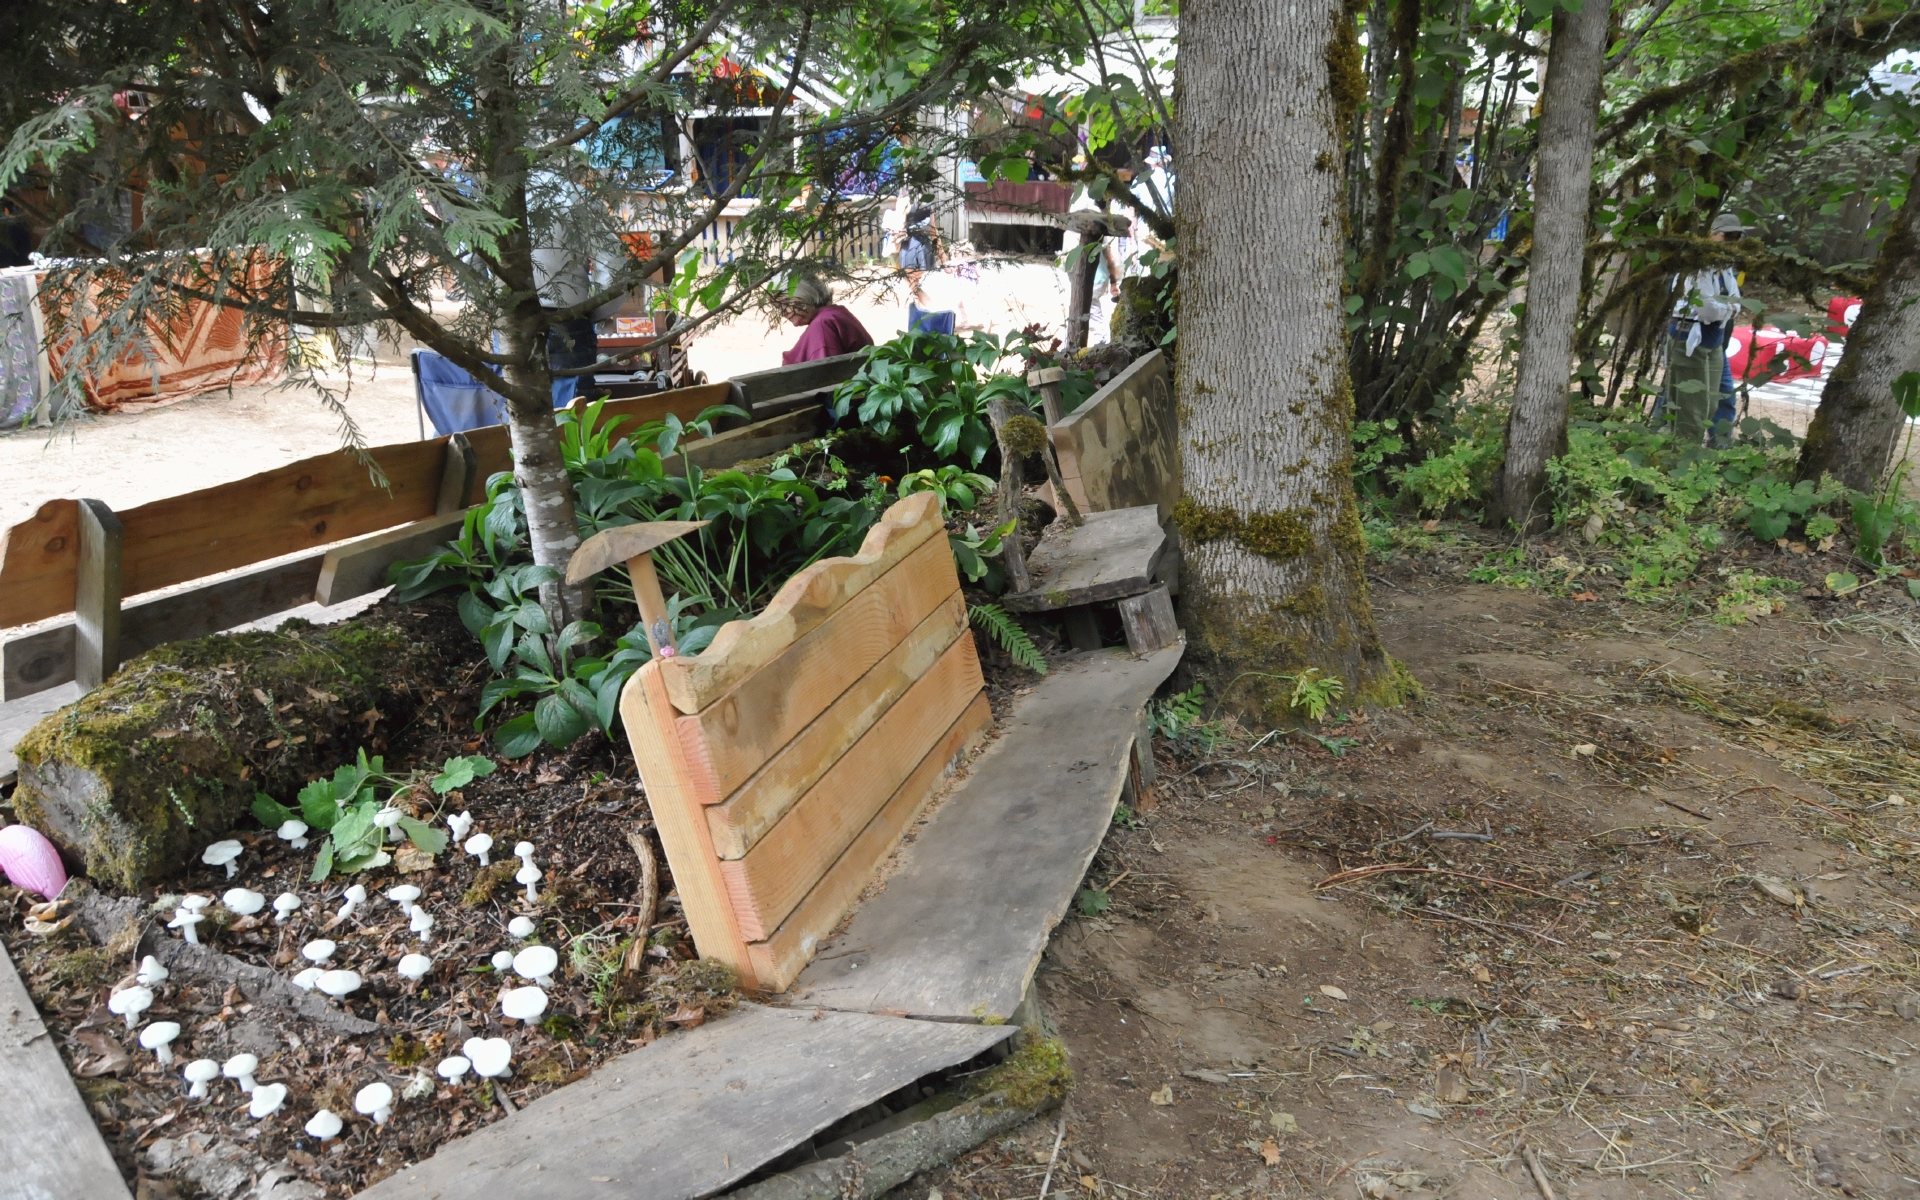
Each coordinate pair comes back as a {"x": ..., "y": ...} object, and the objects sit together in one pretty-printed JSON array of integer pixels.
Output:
[
  {"x": 1773, "y": 355},
  {"x": 1842, "y": 312}
]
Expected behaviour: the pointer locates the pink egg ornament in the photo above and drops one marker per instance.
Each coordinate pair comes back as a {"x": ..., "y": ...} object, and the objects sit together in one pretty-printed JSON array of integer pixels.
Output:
[{"x": 30, "y": 861}]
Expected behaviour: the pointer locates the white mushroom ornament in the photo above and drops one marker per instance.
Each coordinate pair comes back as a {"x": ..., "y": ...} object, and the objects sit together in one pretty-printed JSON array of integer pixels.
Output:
[
  {"x": 284, "y": 906},
  {"x": 293, "y": 831},
  {"x": 414, "y": 967},
  {"x": 491, "y": 1057},
  {"x": 244, "y": 901},
  {"x": 537, "y": 963},
  {"x": 199, "y": 1073},
  {"x": 522, "y": 927},
  {"x": 267, "y": 1099},
  {"x": 451, "y": 1069},
  {"x": 158, "y": 1037},
  {"x": 527, "y": 876},
  {"x": 130, "y": 1003},
  {"x": 325, "y": 1125},
  {"x": 374, "y": 1100},
  {"x": 389, "y": 820},
  {"x": 404, "y": 896},
  {"x": 306, "y": 979},
  {"x": 240, "y": 1069},
  {"x": 478, "y": 845},
  {"x": 523, "y": 1003},
  {"x": 224, "y": 854},
  {"x": 459, "y": 824},
  {"x": 188, "y": 916},
  {"x": 338, "y": 983},
  {"x": 421, "y": 922},
  {"x": 151, "y": 972},
  {"x": 503, "y": 960},
  {"x": 318, "y": 950},
  {"x": 354, "y": 896}
]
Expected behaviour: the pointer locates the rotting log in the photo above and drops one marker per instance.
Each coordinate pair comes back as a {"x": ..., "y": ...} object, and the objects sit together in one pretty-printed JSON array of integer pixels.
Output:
[{"x": 141, "y": 774}]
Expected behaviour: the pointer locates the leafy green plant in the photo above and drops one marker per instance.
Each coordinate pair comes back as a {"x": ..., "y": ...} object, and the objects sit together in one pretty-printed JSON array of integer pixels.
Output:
[
  {"x": 959, "y": 488},
  {"x": 1749, "y": 595},
  {"x": 1314, "y": 692},
  {"x": 1887, "y": 514},
  {"x": 937, "y": 385},
  {"x": 345, "y": 806},
  {"x": 1007, "y": 632},
  {"x": 1091, "y": 901},
  {"x": 973, "y": 551},
  {"x": 1453, "y": 477},
  {"x": 1177, "y": 713}
]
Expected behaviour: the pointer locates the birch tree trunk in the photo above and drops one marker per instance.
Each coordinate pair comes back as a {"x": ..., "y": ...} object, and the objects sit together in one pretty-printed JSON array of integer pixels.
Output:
[
  {"x": 1275, "y": 572},
  {"x": 1857, "y": 425},
  {"x": 1537, "y": 422}
]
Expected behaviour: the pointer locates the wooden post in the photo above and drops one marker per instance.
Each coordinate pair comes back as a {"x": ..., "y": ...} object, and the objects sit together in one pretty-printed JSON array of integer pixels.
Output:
[
  {"x": 1080, "y": 294},
  {"x": 646, "y": 591},
  {"x": 1047, "y": 382},
  {"x": 1012, "y": 555},
  {"x": 1148, "y": 620},
  {"x": 96, "y": 596},
  {"x": 456, "y": 475}
]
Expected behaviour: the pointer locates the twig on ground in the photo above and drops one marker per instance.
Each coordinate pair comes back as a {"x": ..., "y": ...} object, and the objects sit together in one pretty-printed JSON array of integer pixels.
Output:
[
  {"x": 649, "y": 899},
  {"x": 1059, "y": 1135},
  {"x": 1539, "y": 1174},
  {"x": 1399, "y": 869}
]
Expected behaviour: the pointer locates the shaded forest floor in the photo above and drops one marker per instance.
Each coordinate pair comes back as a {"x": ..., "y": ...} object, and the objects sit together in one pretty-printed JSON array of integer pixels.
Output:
[{"x": 1673, "y": 957}]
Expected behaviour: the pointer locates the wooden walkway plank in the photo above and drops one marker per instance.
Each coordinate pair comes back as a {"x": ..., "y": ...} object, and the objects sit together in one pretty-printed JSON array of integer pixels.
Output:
[
  {"x": 694, "y": 1113},
  {"x": 48, "y": 1141},
  {"x": 1114, "y": 555},
  {"x": 960, "y": 927}
]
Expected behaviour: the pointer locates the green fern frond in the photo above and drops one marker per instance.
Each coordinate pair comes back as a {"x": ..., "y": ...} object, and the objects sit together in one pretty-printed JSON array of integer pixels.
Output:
[{"x": 1007, "y": 632}]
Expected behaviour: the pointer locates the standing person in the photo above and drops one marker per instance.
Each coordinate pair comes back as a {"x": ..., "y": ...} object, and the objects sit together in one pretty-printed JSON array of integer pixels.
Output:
[
  {"x": 830, "y": 329},
  {"x": 1698, "y": 379},
  {"x": 918, "y": 251}
]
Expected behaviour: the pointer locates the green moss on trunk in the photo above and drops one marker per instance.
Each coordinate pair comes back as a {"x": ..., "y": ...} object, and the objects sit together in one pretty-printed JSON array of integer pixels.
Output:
[{"x": 141, "y": 774}]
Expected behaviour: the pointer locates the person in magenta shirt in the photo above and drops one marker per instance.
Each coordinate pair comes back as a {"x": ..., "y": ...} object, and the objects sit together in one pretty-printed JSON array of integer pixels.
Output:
[{"x": 830, "y": 329}]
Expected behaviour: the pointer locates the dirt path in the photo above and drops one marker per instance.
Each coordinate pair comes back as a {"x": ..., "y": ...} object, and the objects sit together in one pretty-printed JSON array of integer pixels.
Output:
[{"x": 1674, "y": 970}]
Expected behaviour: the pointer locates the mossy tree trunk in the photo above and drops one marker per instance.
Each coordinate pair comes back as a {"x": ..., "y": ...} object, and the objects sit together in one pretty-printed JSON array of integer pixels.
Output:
[
  {"x": 1537, "y": 422},
  {"x": 1857, "y": 425},
  {"x": 1275, "y": 560}
]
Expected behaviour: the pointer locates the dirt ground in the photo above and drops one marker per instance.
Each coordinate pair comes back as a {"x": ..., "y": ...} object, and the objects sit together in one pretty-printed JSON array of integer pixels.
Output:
[{"x": 1630, "y": 891}]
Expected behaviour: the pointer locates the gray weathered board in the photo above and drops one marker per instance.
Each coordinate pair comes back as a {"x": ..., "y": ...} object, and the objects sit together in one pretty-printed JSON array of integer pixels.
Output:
[
  {"x": 1121, "y": 448},
  {"x": 769, "y": 393},
  {"x": 961, "y": 924},
  {"x": 695, "y": 1112},
  {"x": 1114, "y": 555},
  {"x": 48, "y": 1142}
]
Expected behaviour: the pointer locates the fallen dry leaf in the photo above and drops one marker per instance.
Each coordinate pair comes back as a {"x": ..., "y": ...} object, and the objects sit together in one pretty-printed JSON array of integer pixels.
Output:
[
  {"x": 1164, "y": 1096},
  {"x": 1775, "y": 889},
  {"x": 1327, "y": 989},
  {"x": 1284, "y": 1123},
  {"x": 1449, "y": 1087},
  {"x": 1583, "y": 597},
  {"x": 1270, "y": 1152},
  {"x": 1586, "y": 749}
]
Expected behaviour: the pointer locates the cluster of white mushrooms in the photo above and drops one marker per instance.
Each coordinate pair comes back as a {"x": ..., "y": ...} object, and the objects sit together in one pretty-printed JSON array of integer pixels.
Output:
[{"x": 486, "y": 1058}]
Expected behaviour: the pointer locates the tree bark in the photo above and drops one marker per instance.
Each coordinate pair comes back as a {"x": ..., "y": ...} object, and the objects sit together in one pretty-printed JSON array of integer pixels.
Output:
[
  {"x": 1275, "y": 576},
  {"x": 1857, "y": 425},
  {"x": 1537, "y": 422}
]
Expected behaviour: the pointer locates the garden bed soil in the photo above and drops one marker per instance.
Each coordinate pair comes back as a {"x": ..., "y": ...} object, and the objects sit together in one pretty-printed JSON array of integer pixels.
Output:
[
  {"x": 1684, "y": 964},
  {"x": 581, "y": 808}
]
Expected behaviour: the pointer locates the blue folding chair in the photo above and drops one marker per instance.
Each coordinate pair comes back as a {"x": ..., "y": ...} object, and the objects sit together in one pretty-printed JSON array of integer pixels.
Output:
[
  {"x": 927, "y": 320},
  {"x": 454, "y": 400}
]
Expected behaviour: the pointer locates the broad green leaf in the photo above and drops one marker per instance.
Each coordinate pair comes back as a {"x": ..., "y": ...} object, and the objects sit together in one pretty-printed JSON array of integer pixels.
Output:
[
  {"x": 517, "y": 738},
  {"x": 423, "y": 835}
]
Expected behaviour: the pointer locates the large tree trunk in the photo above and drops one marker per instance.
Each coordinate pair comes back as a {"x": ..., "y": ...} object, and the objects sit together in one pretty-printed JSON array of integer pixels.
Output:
[
  {"x": 1537, "y": 422},
  {"x": 1857, "y": 424},
  {"x": 1275, "y": 576}
]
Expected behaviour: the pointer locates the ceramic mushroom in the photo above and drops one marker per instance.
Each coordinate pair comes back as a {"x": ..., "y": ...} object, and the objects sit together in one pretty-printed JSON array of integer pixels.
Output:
[
  {"x": 284, "y": 906},
  {"x": 527, "y": 876},
  {"x": 151, "y": 973},
  {"x": 451, "y": 1069},
  {"x": 267, "y": 1099},
  {"x": 240, "y": 1069},
  {"x": 537, "y": 963},
  {"x": 354, "y": 896},
  {"x": 338, "y": 983},
  {"x": 421, "y": 922},
  {"x": 306, "y": 979},
  {"x": 244, "y": 901},
  {"x": 158, "y": 1037},
  {"x": 458, "y": 824},
  {"x": 522, "y": 927},
  {"x": 325, "y": 1125},
  {"x": 130, "y": 1003},
  {"x": 503, "y": 960},
  {"x": 224, "y": 854},
  {"x": 478, "y": 845},
  {"x": 293, "y": 831},
  {"x": 523, "y": 1003},
  {"x": 414, "y": 967},
  {"x": 318, "y": 950},
  {"x": 199, "y": 1073},
  {"x": 405, "y": 895},
  {"x": 374, "y": 1100},
  {"x": 389, "y": 820},
  {"x": 187, "y": 917},
  {"x": 491, "y": 1057}
]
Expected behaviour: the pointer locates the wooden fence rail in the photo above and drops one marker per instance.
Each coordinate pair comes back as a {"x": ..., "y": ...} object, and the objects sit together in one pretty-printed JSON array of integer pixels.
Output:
[{"x": 324, "y": 530}]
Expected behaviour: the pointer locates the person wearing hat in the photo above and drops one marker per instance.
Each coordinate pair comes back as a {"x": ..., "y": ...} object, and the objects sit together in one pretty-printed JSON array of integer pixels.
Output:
[
  {"x": 1698, "y": 394},
  {"x": 830, "y": 329}
]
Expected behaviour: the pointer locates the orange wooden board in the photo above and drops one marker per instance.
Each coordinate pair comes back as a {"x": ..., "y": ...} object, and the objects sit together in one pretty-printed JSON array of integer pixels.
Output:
[
  {"x": 732, "y": 738},
  {"x": 751, "y": 811},
  {"x": 778, "y": 960},
  {"x": 779, "y": 870}
]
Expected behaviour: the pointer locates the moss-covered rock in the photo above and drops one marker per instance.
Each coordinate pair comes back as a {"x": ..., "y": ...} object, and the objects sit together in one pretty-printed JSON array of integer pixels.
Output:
[{"x": 141, "y": 774}]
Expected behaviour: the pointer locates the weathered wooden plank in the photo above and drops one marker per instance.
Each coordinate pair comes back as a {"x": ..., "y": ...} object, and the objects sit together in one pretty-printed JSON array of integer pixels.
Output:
[
  {"x": 780, "y": 959},
  {"x": 648, "y": 714},
  {"x": 694, "y": 1113},
  {"x": 34, "y": 662},
  {"x": 1114, "y": 555},
  {"x": 751, "y": 811},
  {"x": 96, "y": 596},
  {"x": 777, "y": 871},
  {"x": 301, "y": 506},
  {"x": 459, "y": 472},
  {"x": 1148, "y": 620},
  {"x": 801, "y": 604},
  {"x": 1121, "y": 448},
  {"x": 361, "y": 566},
  {"x": 959, "y": 929},
  {"x": 730, "y": 739},
  {"x": 49, "y": 1143},
  {"x": 758, "y": 387},
  {"x": 757, "y": 440}
]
